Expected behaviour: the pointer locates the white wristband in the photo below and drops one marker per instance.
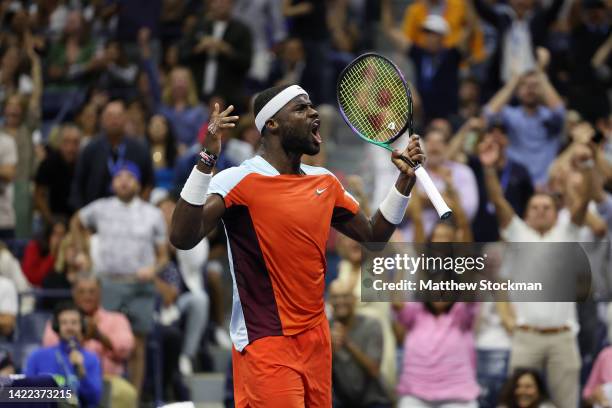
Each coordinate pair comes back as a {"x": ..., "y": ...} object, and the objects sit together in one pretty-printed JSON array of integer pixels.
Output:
[
  {"x": 394, "y": 206},
  {"x": 196, "y": 186}
]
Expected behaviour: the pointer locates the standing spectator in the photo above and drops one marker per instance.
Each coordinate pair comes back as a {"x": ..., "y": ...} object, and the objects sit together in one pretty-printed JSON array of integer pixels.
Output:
[
  {"x": 514, "y": 179},
  {"x": 288, "y": 69},
  {"x": 177, "y": 101},
  {"x": 521, "y": 29},
  {"x": 92, "y": 178},
  {"x": 437, "y": 69},
  {"x": 8, "y": 168},
  {"x": 87, "y": 121},
  {"x": 308, "y": 22},
  {"x": 588, "y": 90},
  {"x": 41, "y": 253},
  {"x": 134, "y": 15},
  {"x": 8, "y": 308},
  {"x": 459, "y": 17},
  {"x": 445, "y": 174},
  {"x": 544, "y": 334},
  {"x": 107, "y": 334},
  {"x": 357, "y": 348},
  {"x": 438, "y": 363},
  {"x": 219, "y": 49},
  {"x": 265, "y": 20},
  {"x": 11, "y": 269},
  {"x": 79, "y": 367},
  {"x": 534, "y": 127},
  {"x": 55, "y": 175},
  {"x": 72, "y": 60},
  {"x": 132, "y": 249},
  {"x": 525, "y": 389},
  {"x": 12, "y": 79},
  {"x": 21, "y": 119}
]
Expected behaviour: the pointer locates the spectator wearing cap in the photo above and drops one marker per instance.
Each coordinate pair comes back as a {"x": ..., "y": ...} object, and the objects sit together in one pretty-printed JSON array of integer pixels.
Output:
[
  {"x": 458, "y": 15},
  {"x": 436, "y": 68},
  {"x": 521, "y": 28},
  {"x": 55, "y": 174},
  {"x": 96, "y": 163},
  {"x": 79, "y": 367},
  {"x": 131, "y": 236},
  {"x": 514, "y": 179},
  {"x": 534, "y": 126},
  {"x": 107, "y": 334}
]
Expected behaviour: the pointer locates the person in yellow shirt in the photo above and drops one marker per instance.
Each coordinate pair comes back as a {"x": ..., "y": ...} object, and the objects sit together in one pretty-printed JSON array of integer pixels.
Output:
[{"x": 461, "y": 18}]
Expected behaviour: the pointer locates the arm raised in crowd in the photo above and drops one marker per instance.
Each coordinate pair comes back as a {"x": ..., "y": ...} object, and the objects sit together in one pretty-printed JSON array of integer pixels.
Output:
[
  {"x": 551, "y": 97},
  {"x": 488, "y": 154},
  {"x": 579, "y": 188},
  {"x": 503, "y": 96}
]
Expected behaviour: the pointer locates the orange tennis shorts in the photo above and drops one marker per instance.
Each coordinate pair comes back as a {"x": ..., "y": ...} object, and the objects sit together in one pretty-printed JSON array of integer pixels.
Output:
[{"x": 285, "y": 371}]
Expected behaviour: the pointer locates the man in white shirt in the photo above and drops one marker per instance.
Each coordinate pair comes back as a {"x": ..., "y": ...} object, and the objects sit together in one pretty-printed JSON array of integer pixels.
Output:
[{"x": 544, "y": 333}]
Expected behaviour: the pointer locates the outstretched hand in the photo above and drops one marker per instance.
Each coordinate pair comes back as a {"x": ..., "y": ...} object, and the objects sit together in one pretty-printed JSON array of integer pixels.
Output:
[
  {"x": 218, "y": 120},
  {"x": 412, "y": 152}
]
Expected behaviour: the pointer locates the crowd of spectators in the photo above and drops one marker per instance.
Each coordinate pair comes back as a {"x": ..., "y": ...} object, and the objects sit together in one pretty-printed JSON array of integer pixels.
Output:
[{"x": 103, "y": 109}]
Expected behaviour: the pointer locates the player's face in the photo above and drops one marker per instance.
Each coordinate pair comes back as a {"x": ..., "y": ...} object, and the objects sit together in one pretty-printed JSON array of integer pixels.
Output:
[
  {"x": 299, "y": 127},
  {"x": 69, "y": 324},
  {"x": 541, "y": 213},
  {"x": 526, "y": 392}
]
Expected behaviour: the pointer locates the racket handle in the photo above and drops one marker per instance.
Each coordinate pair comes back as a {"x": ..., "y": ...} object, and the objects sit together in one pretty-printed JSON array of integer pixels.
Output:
[{"x": 432, "y": 192}]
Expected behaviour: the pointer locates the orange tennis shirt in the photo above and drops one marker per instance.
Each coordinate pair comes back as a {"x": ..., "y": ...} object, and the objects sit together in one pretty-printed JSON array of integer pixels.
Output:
[{"x": 277, "y": 227}]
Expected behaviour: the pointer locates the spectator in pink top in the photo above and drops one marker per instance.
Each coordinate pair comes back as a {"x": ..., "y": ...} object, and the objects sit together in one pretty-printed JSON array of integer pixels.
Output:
[
  {"x": 599, "y": 385},
  {"x": 108, "y": 334},
  {"x": 439, "y": 361}
]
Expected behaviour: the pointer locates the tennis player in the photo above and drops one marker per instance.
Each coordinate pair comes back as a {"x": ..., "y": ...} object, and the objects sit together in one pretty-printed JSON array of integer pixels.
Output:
[{"x": 277, "y": 215}]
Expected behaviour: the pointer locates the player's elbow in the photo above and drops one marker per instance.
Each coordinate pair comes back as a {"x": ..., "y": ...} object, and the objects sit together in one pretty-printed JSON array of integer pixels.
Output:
[{"x": 180, "y": 240}]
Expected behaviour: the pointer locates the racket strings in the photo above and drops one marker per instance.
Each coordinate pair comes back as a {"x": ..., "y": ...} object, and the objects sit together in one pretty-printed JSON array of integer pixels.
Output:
[{"x": 372, "y": 95}]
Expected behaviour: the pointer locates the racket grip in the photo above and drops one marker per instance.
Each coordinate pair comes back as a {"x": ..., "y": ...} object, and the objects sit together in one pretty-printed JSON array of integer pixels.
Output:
[{"x": 432, "y": 192}]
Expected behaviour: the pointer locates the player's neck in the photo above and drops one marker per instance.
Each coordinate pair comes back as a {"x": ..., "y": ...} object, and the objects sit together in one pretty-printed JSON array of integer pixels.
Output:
[{"x": 284, "y": 162}]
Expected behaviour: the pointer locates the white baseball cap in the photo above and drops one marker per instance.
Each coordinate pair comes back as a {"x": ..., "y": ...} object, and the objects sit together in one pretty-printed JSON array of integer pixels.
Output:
[{"x": 435, "y": 24}]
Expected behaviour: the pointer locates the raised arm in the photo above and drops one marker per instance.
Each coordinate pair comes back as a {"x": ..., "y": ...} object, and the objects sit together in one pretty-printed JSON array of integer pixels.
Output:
[
  {"x": 503, "y": 96},
  {"x": 380, "y": 227},
  {"x": 552, "y": 99},
  {"x": 579, "y": 189},
  {"x": 196, "y": 215},
  {"x": 488, "y": 155},
  {"x": 602, "y": 54}
]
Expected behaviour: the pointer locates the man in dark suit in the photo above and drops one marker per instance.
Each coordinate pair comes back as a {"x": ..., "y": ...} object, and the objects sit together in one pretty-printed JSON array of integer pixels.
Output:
[{"x": 219, "y": 51}]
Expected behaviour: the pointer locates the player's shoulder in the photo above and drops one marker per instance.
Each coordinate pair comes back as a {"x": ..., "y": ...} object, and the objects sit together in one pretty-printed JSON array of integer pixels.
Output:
[{"x": 316, "y": 171}]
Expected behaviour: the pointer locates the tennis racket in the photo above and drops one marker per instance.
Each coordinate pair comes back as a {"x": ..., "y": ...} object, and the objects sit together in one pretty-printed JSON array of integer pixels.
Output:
[{"x": 375, "y": 101}]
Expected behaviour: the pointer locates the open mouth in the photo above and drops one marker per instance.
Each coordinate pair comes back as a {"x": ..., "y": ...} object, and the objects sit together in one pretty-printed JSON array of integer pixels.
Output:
[{"x": 316, "y": 124}]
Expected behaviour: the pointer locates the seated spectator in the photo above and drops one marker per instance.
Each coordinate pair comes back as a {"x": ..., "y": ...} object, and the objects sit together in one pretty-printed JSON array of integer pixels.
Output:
[
  {"x": 438, "y": 363},
  {"x": 357, "y": 348},
  {"x": 12, "y": 79},
  {"x": 525, "y": 389},
  {"x": 181, "y": 289},
  {"x": 107, "y": 334},
  {"x": 177, "y": 100},
  {"x": 8, "y": 168},
  {"x": 7, "y": 366},
  {"x": 72, "y": 258},
  {"x": 535, "y": 125},
  {"x": 41, "y": 253},
  {"x": 288, "y": 68},
  {"x": 87, "y": 121},
  {"x": 93, "y": 175},
  {"x": 79, "y": 368},
  {"x": 8, "y": 307},
  {"x": 162, "y": 144},
  {"x": 131, "y": 250},
  {"x": 54, "y": 176}
]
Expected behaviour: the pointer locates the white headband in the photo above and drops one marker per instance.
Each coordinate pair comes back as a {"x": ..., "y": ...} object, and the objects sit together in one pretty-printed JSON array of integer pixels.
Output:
[{"x": 275, "y": 104}]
